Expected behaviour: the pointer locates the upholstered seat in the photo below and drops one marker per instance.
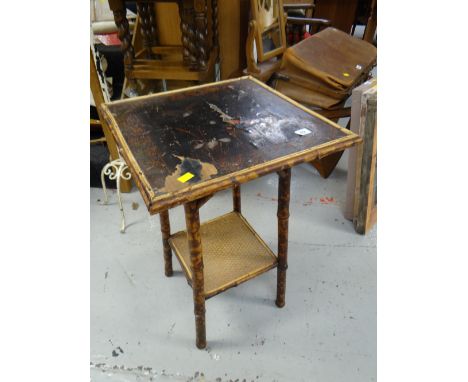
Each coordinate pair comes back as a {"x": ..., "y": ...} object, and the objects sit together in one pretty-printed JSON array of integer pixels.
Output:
[{"x": 323, "y": 69}]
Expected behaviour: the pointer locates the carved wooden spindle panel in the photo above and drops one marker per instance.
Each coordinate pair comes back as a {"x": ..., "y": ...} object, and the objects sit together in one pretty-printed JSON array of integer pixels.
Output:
[
  {"x": 200, "y": 32},
  {"x": 143, "y": 9}
]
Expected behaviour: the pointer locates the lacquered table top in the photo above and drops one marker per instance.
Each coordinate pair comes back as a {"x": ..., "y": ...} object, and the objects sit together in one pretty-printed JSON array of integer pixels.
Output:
[{"x": 189, "y": 143}]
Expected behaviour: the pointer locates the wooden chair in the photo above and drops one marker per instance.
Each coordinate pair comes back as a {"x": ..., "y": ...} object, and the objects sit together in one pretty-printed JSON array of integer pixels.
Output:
[
  {"x": 299, "y": 10},
  {"x": 265, "y": 64},
  {"x": 307, "y": 71},
  {"x": 193, "y": 60}
]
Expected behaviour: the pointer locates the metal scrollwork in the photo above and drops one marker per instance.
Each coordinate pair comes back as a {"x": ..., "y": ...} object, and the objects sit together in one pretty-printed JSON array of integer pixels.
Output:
[{"x": 116, "y": 170}]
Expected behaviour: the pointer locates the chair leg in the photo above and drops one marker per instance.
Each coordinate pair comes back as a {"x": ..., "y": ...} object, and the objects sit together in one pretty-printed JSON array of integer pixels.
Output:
[
  {"x": 192, "y": 220},
  {"x": 283, "y": 218},
  {"x": 326, "y": 165},
  {"x": 236, "y": 198},
  {"x": 166, "y": 234}
]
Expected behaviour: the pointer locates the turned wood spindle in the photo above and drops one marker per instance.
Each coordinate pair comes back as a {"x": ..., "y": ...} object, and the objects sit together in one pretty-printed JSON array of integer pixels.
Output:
[
  {"x": 120, "y": 18},
  {"x": 201, "y": 32},
  {"x": 214, "y": 25},
  {"x": 143, "y": 9},
  {"x": 283, "y": 217},
  {"x": 192, "y": 219},
  {"x": 189, "y": 13},
  {"x": 184, "y": 13}
]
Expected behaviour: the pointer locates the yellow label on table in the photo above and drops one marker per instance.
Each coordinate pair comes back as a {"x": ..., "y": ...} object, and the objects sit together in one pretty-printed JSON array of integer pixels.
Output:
[
  {"x": 346, "y": 74},
  {"x": 184, "y": 178}
]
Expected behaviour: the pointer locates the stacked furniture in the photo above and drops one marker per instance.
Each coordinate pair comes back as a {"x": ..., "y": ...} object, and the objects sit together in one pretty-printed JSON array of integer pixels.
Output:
[{"x": 319, "y": 72}]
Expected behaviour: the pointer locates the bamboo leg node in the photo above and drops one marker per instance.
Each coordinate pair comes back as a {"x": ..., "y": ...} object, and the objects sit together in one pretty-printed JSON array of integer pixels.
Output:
[
  {"x": 192, "y": 220},
  {"x": 236, "y": 198},
  {"x": 283, "y": 217},
  {"x": 166, "y": 233}
]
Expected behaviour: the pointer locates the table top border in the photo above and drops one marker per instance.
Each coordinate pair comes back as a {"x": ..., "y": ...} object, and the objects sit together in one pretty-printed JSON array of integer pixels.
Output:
[
  {"x": 160, "y": 203},
  {"x": 211, "y": 84}
]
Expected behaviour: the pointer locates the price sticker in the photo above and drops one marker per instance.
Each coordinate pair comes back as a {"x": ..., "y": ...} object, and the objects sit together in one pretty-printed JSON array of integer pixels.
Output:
[
  {"x": 303, "y": 131},
  {"x": 186, "y": 177}
]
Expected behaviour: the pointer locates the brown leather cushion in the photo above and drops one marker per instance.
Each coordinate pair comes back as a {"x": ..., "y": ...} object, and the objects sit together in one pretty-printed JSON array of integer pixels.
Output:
[{"x": 330, "y": 63}]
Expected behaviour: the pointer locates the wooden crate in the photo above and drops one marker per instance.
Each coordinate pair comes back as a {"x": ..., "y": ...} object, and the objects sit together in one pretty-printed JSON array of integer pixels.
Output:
[{"x": 361, "y": 198}]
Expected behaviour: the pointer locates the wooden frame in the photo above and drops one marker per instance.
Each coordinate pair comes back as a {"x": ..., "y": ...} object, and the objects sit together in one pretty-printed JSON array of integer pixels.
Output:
[
  {"x": 365, "y": 205},
  {"x": 280, "y": 24}
]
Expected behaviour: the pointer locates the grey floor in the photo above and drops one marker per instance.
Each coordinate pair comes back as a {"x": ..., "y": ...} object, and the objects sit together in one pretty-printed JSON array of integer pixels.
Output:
[{"x": 142, "y": 323}]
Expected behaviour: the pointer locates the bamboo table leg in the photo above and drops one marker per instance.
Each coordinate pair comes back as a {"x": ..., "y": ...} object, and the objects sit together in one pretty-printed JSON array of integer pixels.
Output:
[
  {"x": 192, "y": 219},
  {"x": 283, "y": 216},
  {"x": 166, "y": 233},
  {"x": 236, "y": 198}
]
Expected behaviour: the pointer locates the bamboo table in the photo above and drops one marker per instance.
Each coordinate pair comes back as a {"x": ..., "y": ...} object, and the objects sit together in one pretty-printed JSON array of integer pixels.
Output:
[{"x": 183, "y": 146}]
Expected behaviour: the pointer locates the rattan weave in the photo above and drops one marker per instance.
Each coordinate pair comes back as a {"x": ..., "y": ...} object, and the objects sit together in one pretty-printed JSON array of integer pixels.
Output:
[{"x": 232, "y": 253}]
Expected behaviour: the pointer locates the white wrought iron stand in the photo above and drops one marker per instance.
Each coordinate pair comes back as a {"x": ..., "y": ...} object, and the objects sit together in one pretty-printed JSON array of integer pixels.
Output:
[{"x": 116, "y": 170}]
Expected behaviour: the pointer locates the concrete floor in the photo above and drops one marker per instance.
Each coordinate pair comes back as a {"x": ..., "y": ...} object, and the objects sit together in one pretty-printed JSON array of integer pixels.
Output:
[{"x": 142, "y": 323}]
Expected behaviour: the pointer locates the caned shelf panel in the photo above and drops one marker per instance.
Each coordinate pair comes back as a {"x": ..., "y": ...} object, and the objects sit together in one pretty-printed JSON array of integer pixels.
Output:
[{"x": 232, "y": 253}]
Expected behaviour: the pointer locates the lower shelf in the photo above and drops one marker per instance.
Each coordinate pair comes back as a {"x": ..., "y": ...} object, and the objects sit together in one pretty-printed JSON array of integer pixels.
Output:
[{"x": 232, "y": 253}]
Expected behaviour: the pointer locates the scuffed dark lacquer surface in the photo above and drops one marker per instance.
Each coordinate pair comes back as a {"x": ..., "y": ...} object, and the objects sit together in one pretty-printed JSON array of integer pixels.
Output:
[{"x": 179, "y": 132}]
